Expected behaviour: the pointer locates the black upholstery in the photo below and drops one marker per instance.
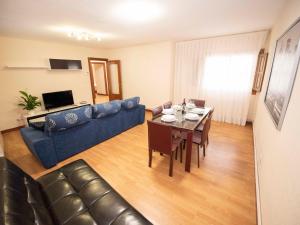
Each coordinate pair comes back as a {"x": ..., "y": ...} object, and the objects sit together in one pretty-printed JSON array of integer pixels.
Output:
[{"x": 72, "y": 195}]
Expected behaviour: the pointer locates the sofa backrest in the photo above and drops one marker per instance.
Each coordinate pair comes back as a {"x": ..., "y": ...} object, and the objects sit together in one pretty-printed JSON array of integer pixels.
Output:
[
  {"x": 69, "y": 118},
  {"x": 20, "y": 197}
]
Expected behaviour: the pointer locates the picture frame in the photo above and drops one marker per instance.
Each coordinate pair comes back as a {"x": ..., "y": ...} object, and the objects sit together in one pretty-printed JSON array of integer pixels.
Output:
[{"x": 283, "y": 73}]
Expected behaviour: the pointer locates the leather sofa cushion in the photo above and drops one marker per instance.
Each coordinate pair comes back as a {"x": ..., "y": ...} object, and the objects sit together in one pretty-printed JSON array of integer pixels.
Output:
[
  {"x": 20, "y": 197},
  {"x": 76, "y": 194},
  {"x": 131, "y": 102},
  {"x": 66, "y": 119},
  {"x": 105, "y": 109}
]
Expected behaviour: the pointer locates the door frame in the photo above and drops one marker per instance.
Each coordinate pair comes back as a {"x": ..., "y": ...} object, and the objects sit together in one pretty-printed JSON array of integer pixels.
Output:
[{"x": 90, "y": 59}]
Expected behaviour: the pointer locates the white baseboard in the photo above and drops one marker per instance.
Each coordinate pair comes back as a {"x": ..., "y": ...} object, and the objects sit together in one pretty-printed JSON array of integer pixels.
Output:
[{"x": 258, "y": 205}]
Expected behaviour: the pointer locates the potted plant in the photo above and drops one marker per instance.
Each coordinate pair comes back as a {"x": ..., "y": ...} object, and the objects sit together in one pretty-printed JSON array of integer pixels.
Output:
[{"x": 29, "y": 102}]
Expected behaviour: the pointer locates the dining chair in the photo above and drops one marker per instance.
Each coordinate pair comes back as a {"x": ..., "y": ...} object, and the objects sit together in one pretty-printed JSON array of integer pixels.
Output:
[
  {"x": 200, "y": 138},
  {"x": 156, "y": 111},
  {"x": 167, "y": 105},
  {"x": 160, "y": 139},
  {"x": 198, "y": 102},
  {"x": 201, "y": 126}
]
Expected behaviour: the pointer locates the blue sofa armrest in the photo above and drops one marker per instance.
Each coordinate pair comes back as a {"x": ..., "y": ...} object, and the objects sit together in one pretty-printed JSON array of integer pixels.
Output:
[
  {"x": 41, "y": 145},
  {"x": 142, "y": 114}
]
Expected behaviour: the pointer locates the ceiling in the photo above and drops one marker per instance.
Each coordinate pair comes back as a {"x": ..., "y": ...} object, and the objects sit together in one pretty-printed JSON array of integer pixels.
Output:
[{"x": 165, "y": 19}]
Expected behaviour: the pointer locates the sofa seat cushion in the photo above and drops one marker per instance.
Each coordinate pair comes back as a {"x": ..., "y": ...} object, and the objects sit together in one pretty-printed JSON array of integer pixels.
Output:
[
  {"x": 66, "y": 119},
  {"x": 131, "y": 102},
  {"x": 105, "y": 109},
  {"x": 76, "y": 194}
]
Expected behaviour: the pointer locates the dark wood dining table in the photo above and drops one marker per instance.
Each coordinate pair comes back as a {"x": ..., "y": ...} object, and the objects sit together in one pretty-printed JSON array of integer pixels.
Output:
[{"x": 188, "y": 126}]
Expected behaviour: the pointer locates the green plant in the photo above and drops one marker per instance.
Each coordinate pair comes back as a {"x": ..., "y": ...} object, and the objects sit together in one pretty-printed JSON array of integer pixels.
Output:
[{"x": 28, "y": 101}]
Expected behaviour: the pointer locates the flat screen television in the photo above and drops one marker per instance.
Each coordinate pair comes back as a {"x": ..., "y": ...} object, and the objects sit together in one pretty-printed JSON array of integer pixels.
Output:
[
  {"x": 58, "y": 99},
  {"x": 65, "y": 64}
]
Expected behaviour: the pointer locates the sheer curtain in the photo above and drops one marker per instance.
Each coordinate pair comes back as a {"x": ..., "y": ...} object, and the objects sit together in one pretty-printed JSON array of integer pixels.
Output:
[{"x": 219, "y": 70}]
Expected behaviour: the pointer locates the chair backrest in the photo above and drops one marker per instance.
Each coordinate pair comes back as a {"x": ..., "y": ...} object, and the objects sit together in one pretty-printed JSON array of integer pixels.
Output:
[
  {"x": 198, "y": 102},
  {"x": 206, "y": 128},
  {"x": 159, "y": 137},
  {"x": 211, "y": 111},
  {"x": 167, "y": 105},
  {"x": 156, "y": 111},
  {"x": 210, "y": 114}
]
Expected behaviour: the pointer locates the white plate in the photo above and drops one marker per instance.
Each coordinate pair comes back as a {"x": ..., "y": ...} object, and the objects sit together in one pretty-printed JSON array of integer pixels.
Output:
[
  {"x": 168, "y": 118},
  {"x": 190, "y": 105},
  {"x": 168, "y": 111},
  {"x": 191, "y": 116},
  {"x": 197, "y": 110}
]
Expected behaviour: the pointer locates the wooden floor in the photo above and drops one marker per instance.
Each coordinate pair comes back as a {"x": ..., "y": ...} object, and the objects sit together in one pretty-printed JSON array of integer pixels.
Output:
[
  {"x": 221, "y": 191},
  {"x": 101, "y": 98}
]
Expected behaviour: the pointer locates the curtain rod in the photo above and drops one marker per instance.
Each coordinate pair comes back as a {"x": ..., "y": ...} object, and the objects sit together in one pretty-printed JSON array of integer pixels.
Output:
[{"x": 225, "y": 35}]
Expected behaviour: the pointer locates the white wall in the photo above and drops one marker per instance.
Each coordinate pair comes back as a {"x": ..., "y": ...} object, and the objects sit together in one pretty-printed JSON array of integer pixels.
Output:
[
  {"x": 37, "y": 81},
  {"x": 278, "y": 152},
  {"x": 147, "y": 71}
]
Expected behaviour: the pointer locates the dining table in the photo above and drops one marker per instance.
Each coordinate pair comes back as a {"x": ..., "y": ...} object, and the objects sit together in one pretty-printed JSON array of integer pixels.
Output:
[{"x": 188, "y": 126}]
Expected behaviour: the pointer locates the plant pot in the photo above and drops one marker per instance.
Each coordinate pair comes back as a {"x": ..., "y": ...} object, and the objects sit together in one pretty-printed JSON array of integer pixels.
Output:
[{"x": 31, "y": 112}]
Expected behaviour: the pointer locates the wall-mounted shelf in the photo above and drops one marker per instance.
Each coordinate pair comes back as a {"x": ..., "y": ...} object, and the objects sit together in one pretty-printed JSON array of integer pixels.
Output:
[{"x": 25, "y": 67}]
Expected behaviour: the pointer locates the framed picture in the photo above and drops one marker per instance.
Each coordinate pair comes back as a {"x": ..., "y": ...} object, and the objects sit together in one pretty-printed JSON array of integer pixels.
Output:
[{"x": 283, "y": 73}]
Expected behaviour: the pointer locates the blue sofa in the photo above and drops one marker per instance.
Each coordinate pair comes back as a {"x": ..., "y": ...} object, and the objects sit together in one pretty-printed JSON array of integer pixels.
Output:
[{"x": 69, "y": 132}]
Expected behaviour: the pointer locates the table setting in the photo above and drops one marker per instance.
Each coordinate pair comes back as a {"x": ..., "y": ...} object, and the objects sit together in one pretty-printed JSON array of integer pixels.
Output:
[{"x": 182, "y": 112}]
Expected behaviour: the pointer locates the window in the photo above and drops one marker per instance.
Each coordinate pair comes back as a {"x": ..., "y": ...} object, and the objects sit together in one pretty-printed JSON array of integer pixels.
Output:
[{"x": 229, "y": 73}]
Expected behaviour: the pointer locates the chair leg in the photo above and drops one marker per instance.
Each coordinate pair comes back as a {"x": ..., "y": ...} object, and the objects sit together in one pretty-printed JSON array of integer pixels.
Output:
[
  {"x": 150, "y": 158},
  {"x": 207, "y": 140},
  {"x": 171, "y": 165},
  {"x": 180, "y": 154},
  {"x": 176, "y": 152},
  {"x": 204, "y": 150},
  {"x": 198, "y": 153}
]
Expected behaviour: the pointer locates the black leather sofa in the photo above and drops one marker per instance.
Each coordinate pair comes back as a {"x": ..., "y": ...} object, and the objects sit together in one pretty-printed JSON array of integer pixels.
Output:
[{"x": 72, "y": 195}]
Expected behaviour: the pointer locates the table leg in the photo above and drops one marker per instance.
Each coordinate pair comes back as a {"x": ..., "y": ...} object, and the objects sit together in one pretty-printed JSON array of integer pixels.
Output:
[{"x": 189, "y": 142}]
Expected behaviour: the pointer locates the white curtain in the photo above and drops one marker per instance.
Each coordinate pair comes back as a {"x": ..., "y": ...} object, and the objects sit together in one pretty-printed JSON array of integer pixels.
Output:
[{"x": 219, "y": 70}]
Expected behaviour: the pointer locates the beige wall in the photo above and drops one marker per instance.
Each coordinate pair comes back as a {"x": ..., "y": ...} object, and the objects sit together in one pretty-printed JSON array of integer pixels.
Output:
[
  {"x": 37, "y": 81},
  {"x": 147, "y": 71},
  {"x": 278, "y": 152}
]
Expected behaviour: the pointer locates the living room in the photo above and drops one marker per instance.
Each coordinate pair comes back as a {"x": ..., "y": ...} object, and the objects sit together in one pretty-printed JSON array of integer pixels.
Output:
[{"x": 163, "y": 61}]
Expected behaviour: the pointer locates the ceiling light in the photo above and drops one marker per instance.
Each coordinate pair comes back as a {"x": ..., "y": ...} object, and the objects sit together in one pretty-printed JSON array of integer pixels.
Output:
[
  {"x": 137, "y": 11},
  {"x": 81, "y": 34}
]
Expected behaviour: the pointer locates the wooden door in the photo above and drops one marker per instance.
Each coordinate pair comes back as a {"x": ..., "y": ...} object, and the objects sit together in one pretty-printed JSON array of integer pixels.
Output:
[{"x": 114, "y": 80}]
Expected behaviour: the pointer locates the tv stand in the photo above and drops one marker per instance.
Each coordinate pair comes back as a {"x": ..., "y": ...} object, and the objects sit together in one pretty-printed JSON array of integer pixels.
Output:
[{"x": 39, "y": 116}]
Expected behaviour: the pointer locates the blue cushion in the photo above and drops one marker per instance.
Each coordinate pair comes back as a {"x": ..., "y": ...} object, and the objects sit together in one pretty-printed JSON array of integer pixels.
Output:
[
  {"x": 131, "y": 102},
  {"x": 105, "y": 109},
  {"x": 66, "y": 119}
]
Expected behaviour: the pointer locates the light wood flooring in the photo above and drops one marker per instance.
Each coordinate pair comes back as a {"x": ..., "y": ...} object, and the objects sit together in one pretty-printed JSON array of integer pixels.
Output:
[
  {"x": 101, "y": 98},
  {"x": 220, "y": 192}
]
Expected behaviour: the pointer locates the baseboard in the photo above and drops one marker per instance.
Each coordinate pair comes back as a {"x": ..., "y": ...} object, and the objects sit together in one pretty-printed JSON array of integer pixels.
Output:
[
  {"x": 257, "y": 189},
  {"x": 11, "y": 129}
]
